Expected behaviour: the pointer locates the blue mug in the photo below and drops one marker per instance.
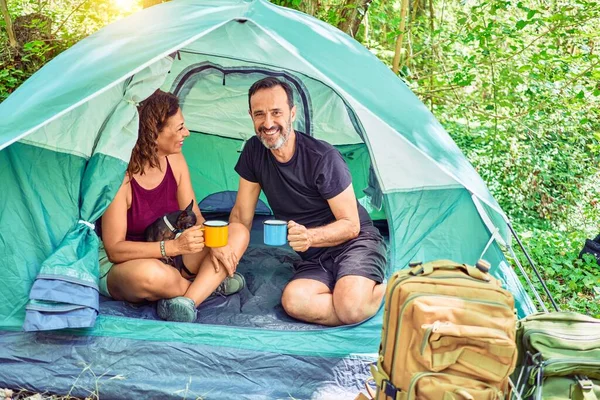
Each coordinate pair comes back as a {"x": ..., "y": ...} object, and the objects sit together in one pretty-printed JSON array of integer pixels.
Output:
[{"x": 275, "y": 232}]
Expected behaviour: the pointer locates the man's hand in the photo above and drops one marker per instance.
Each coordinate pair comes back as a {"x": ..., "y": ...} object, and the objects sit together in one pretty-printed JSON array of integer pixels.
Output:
[
  {"x": 224, "y": 256},
  {"x": 298, "y": 236}
]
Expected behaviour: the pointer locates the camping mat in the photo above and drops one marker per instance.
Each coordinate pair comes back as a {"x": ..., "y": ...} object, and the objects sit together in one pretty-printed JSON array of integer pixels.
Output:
[{"x": 267, "y": 269}]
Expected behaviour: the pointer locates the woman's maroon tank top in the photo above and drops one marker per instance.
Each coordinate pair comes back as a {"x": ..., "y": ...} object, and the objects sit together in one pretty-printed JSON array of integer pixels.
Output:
[{"x": 149, "y": 204}]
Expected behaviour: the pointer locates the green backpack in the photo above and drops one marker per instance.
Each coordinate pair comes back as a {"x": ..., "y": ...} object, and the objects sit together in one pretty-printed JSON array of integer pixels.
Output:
[{"x": 559, "y": 356}]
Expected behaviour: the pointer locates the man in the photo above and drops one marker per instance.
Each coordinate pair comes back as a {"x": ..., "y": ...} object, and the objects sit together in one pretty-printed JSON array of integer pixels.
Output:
[{"x": 308, "y": 184}]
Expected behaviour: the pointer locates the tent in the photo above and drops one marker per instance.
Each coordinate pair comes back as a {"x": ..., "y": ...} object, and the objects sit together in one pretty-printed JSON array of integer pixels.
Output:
[{"x": 65, "y": 138}]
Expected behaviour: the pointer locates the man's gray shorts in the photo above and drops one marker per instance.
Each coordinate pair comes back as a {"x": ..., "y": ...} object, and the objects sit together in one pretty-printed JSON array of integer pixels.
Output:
[{"x": 365, "y": 255}]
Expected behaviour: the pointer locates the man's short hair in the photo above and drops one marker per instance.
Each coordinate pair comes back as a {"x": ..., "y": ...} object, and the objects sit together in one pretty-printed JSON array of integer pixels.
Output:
[{"x": 268, "y": 83}]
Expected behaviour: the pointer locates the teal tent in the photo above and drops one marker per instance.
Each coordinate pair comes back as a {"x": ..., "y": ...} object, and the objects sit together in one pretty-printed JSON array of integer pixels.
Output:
[{"x": 65, "y": 138}]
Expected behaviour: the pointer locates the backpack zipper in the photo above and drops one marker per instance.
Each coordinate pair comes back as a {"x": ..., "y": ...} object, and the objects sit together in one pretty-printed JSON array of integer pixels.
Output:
[
  {"x": 415, "y": 378},
  {"x": 411, "y": 298},
  {"x": 435, "y": 327},
  {"x": 559, "y": 335}
]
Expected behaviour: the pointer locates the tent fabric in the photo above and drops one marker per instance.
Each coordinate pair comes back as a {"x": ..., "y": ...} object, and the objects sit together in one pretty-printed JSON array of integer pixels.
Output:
[
  {"x": 65, "y": 138},
  {"x": 223, "y": 202},
  {"x": 128, "y": 46},
  {"x": 198, "y": 82},
  {"x": 186, "y": 372},
  {"x": 433, "y": 225},
  {"x": 35, "y": 216},
  {"x": 73, "y": 267}
]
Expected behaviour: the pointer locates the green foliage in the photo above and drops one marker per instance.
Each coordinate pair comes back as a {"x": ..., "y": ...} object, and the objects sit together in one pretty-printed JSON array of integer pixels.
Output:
[
  {"x": 574, "y": 283},
  {"x": 295, "y": 4},
  {"x": 10, "y": 79},
  {"x": 43, "y": 30},
  {"x": 515, "y": 84}
]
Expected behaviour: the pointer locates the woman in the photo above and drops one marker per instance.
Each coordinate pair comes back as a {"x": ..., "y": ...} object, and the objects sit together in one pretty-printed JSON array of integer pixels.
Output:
[{"x": 157, "y": 182}]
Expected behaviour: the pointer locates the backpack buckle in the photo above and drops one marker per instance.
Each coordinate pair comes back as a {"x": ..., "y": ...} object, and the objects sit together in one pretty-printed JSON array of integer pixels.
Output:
[
  {"x": 389, "y": 389},
  {"x": 584, "y": 383}
]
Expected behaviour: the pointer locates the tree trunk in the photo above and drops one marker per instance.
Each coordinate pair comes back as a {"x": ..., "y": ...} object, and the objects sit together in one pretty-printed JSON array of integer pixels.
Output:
[
  {"x": 418, "y": 8},
  {"x": 9, "y": 27},
  {"x": 432, "y": 32},
  {"x": 366, "y": 25},
  {"x": 352, "y": 14},
  {"x": 309, "y": 7},
  {"x": 400, "y": 39},
  {"x": 150, "y": 3}
]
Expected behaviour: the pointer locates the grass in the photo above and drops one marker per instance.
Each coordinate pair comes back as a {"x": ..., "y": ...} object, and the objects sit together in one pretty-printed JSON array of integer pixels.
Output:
[
  {"x": 22, "y": 394},
  {"x": 94, "y": 394}
]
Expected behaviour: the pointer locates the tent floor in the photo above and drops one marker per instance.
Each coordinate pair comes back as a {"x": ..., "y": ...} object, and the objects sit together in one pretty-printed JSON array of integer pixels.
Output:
[{"x": 267, "y": 270}]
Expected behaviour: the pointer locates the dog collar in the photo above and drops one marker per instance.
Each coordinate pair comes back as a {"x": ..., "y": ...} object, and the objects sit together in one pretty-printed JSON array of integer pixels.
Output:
[{"x": 171, "y": 227}]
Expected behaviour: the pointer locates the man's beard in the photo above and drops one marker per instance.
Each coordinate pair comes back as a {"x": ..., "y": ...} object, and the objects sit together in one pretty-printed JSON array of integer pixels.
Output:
[{"x": 284, "y": 134}]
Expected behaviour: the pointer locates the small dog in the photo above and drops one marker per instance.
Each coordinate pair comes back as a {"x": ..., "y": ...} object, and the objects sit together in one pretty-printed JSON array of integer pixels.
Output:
[{"x": 168, "y": 227}]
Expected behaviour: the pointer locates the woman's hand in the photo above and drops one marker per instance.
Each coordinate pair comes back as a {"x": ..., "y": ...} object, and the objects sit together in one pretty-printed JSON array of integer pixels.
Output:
[
  {"x": 224, "y": 256},
  {"x": 190, "y": 241}
]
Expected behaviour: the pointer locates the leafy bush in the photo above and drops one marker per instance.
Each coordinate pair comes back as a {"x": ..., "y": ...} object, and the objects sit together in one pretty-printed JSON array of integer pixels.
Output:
[
  {"x": 573, "y": 282},
  {"x": 43, "y": 30},
  {"x": 517, "y": 89}
]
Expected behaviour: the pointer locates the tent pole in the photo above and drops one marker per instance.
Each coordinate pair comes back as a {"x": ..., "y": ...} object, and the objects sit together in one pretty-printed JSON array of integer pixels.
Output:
[
  {"x": 526, "y": 276},
  {"x": 537, "y": 273}
]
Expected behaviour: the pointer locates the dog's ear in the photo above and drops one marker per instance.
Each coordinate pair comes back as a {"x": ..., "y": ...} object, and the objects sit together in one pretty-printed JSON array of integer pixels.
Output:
[
  {"x": 189, "y": 208},
  {"x": 186, "y": 219}
]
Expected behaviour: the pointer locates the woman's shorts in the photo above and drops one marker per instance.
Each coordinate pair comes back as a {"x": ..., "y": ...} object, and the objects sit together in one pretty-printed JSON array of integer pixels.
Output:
[{"x": 105, "y": 266}]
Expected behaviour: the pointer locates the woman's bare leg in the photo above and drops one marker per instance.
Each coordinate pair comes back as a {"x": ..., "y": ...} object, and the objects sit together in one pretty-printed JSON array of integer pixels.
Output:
[
  {"x": 145, "y": 279},
  {"x": 150, "y": 279}
]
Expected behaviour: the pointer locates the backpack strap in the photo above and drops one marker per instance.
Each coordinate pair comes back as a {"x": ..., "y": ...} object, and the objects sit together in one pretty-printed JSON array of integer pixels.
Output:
[
  {"x": 385, "y": 386},
  {"x": 428, "y": 268},
  {"x": 584, "y": 389}
]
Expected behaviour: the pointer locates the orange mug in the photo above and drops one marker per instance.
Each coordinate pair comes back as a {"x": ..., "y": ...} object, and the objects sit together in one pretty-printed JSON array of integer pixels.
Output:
[{"x": 215, "y": 233}]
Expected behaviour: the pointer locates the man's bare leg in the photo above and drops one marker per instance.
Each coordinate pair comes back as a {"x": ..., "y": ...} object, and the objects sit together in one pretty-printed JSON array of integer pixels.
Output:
[
  {"x": 357, "y": 298},
  {"x": 353, "y": 300},
  {"x": 311, "y": 301}
]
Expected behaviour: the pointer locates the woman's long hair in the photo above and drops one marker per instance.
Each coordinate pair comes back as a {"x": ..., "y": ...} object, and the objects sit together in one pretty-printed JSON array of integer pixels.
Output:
[{"x": 154, "y": 113}]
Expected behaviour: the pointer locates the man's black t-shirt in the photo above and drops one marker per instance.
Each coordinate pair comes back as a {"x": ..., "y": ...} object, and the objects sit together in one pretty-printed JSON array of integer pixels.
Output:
[{"x": 299, "y": 189}]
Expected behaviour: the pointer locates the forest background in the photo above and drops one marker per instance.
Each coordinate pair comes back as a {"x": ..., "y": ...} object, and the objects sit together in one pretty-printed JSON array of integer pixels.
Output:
[{"x": 515, "y": 83}]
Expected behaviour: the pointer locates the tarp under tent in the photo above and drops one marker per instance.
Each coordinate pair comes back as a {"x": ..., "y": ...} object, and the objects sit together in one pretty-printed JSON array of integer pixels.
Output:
[{"x": 65, "y": 139}]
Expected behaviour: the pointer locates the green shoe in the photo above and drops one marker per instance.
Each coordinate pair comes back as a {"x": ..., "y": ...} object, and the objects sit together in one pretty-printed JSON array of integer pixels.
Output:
[
  {"x": 179, "y": 309},
  {"x": 231, "y": 285}
]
